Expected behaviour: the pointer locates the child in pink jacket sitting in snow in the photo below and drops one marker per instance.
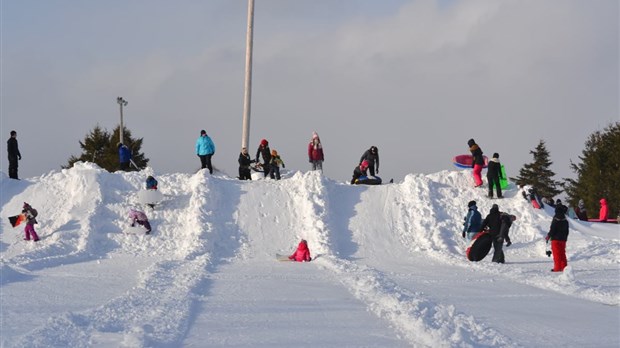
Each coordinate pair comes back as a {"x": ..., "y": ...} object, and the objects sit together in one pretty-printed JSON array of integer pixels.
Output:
[{"x": 302, "y": 254}]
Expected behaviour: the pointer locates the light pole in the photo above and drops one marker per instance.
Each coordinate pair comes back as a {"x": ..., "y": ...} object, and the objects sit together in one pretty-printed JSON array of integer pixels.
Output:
[
  {"x": 122, "y": 102},
  {"x": 247, "y": 95}
]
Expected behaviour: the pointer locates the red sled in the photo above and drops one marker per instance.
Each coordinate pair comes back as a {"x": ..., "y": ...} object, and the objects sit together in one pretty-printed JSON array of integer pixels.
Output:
[
  {"x": 466, "y": 161},
  {"x": 535, "y": 204},
  {"x": 479, "y": 246}
]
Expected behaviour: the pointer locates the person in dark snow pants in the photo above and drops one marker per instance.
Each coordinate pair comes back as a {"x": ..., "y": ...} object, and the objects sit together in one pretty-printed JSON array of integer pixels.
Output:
[
  {"x": 372, "y": 156},
  {"x": 264, "y": 151},
  {"x": 473, "y": 221},
  {"x": 493, "y": 222},
  {"x": 494, "y": 174},
  {"x": 244, "y": 165},
  {"x": 359, "y": 171}
]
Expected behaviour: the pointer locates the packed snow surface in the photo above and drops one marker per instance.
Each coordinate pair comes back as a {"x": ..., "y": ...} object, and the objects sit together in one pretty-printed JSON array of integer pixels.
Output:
[{"x": 389, "y": 268}]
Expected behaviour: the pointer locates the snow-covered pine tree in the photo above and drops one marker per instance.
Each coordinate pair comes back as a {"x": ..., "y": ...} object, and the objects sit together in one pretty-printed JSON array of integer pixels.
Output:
[{"x": 538, "y": 173}]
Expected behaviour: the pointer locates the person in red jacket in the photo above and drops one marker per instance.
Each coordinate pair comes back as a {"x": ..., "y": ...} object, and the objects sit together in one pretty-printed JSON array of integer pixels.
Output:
[
  {"x": 602, "y": 215},
  {"x": 315, "y": 152},
  {"x": 302, "y": 254}
]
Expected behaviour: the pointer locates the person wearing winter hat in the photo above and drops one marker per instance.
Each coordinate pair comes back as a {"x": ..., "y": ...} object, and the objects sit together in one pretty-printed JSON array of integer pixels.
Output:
[
  {"x": 264, "y": 151},
  {"x": 14, "y": 155},
  {"x": 124, "y": 156},
  {"x": 558, "y": 234},
  {"x": 205, "y": 149},
  {"x": 581, "y": 212},
  {"x": 372, "y": 156},
  {"x": 473, "y": 221},
  {"x": 315, "y": 152},
  {"x": 493, "y": 223},
  {"x": 274, "y": 165},
  {"x": 244, "y": 165},
  {"x": 602, "y": 214},
  {"x": 302, "y": 254},
  {"x": 477, "y": 163},
  {"x": 30, "y": 213},
  {"x": 359, "y": 171},
  {"x": 494, "y": 174}
]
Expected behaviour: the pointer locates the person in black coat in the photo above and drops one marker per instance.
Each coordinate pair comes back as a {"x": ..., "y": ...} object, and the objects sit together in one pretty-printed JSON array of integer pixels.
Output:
[
  {"x": 507, "y": 221},
  {"x": 558, "y": 234},
  {"x": 14, "y": 155},
  {"x": 372, "y": 156},
  {"x": 493, "y": 222},
  {"x": 263, "y": 149},
  {"x": 244, "y": 165},
  {"x": 494, "y": 173},
  {"x": 359, "y": 171}
]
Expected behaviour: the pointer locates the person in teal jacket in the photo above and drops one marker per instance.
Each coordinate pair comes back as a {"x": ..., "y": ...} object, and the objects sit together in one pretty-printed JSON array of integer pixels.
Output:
[{"x": 205, "y": 149}]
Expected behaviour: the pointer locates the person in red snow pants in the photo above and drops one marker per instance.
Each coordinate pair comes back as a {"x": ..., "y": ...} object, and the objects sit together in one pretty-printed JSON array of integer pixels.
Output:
[
  {"x": 558, "y": 234},
  {"x": 478, "y": 161},
  {"x": 302, "y": 254}
]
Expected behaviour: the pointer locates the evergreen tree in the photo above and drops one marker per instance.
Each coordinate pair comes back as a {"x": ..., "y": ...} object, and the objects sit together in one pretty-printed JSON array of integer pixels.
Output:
[
  {"x": 538, "y": 174},
  {"x": 101, "y": 148},
  {"x": 598, "y": 174}
]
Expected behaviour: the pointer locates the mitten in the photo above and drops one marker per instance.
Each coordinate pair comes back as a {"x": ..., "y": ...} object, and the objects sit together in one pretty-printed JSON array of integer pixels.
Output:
[{"x": 547, "y": 238}]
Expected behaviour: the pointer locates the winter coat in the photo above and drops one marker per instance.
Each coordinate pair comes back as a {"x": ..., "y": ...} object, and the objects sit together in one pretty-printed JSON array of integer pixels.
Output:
[
  {"x": 124, "y": 155},
  {"x": 265, "y": 152},
  {"x": 357, "y": 173},
  {"x": 476, "y": 152},
  {"x": 372, "y": 158},
  {"x": 473, "y": 220},
  {"x": 13, "y": 149},
  {"x": 602, "y": 215},
  {"x": 581, "y": 211},
  {"x": 315, "y": 150},
  {"x": 302, "y": 253},
  {"x": 559, "y": 228},
  {"x": 151, "y": 183},
  {"x": 136, "y": 215},
  {"x": 506, "y": 222},
  {"x": 245, "y": 160},
  {"x": 494, "y": 169},
  {"x": 492, "y": 221},
  {"x": 30, "y": 214},
  {"x": 276, "y": 161},
  {"x": 205, "y": 146}
]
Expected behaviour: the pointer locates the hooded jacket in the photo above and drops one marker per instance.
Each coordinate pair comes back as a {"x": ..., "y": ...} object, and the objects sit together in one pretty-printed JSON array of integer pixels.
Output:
[
  {"x": 559, "y": 227},
  {"x": 492, "y": 221},
  {"x": 602, "y": 215},
  {"x": 302, "y": 253}
]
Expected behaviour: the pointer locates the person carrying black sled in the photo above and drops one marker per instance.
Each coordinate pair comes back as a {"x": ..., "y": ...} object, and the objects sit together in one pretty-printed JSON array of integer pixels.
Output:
[
  {"x": 494, "y": 174},
  {"x": 493, "y": 223}
]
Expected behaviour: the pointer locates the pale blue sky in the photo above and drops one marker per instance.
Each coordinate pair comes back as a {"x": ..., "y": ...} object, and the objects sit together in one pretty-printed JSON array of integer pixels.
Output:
[{"x": 415, "y": 78}]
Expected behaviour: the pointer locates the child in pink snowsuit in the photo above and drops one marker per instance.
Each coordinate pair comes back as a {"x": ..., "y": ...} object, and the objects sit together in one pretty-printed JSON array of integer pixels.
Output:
[
  {"x": 140, "y": 218},
  {"x": 31, "y": 215},
  {"x": 302, "y": 254}
]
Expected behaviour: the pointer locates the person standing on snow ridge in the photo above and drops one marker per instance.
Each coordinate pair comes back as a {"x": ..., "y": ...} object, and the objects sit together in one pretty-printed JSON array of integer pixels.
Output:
[
  {"x": 494, "y": 223},
  {"x": 302, "y": 254},
  {"x": 263, "y": 150},
  {"x": 205, "y": 149},
  {"x": 31, "y": 215},
  {"x": 372, "y": 156},
  {"x": 477, "y": 163},
  {"x": 494, "y": 174},
  {"x": 315, "y": 152},
  {"x": 602, "y": 214},
  {"x": 473, "y": 221},
  {"x": 124, "y": 156},
  {"x": 359, "y": 171},
  {"x": 14, "y": 155},
  {"x": 274, "y": 165},
  {"x": 244, "y": 165},
  {"x": 558, "y": 234}
]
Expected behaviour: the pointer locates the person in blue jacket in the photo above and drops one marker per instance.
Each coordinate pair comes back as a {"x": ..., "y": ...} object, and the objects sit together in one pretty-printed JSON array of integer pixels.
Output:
[
  {"x": 124, "y": 156},
  {"x": 473, "y": 221},
  {"x": 205, "y": 149}
]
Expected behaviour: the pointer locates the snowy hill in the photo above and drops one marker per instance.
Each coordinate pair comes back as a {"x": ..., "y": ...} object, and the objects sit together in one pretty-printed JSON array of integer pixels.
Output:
[{"x": 390, "y": 269}]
